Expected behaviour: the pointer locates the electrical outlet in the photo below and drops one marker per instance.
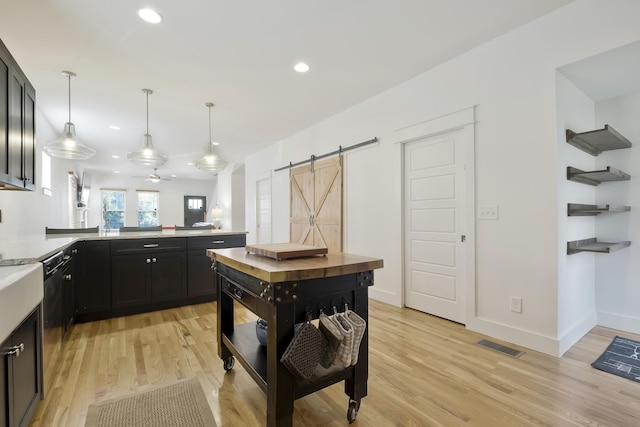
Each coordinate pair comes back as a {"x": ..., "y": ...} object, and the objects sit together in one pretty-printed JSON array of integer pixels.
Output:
[
  {"x": 488, "y": 212},
  {"x": 516, "y": 305}
]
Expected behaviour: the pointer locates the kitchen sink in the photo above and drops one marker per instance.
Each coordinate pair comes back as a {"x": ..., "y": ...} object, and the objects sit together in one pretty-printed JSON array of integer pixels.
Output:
[{"x": 21, "y": 289}]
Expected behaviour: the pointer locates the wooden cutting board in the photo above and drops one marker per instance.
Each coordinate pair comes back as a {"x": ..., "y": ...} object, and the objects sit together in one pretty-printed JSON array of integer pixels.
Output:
[{"x": 286, "y": 250}]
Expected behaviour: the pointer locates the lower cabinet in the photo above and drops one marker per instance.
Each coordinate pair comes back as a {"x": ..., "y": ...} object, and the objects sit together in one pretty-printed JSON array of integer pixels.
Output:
[
  {"x": 93, "y": 277},
  {"x": 126, "y": 276},
  {"x": 148, "y": 278},
  {"x": 201, "y": 277},
  {"x": 21, "y": 372}
]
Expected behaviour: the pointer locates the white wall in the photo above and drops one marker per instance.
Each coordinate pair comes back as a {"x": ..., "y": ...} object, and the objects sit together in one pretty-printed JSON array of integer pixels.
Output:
[
  {"x": 29, "y": 212},
  {"x": 512, "y": 81},
  {"x": 576, "y": 273},
  {"x": 617, "y": 273},
  {"x": 171, "y": 211},
  {"x": 231, "y": 197}
]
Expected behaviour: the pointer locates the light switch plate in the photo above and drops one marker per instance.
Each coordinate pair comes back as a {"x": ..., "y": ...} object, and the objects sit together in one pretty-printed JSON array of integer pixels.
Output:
[{"x": 488, "y": 212}]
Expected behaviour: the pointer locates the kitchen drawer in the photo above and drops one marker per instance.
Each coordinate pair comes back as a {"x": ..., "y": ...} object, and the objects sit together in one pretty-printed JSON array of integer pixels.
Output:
[
  {"x": 136, "y": 246},
  {"x": 217, "y": 242},
  {"x": 240, "y": 294}
]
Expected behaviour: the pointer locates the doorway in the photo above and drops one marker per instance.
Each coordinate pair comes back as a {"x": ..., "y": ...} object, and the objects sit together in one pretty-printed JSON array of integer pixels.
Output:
[
  {"x": 438, "y": 223},
  {"x": 263, "y": 210},
  {"x": 195, "y": 210}
]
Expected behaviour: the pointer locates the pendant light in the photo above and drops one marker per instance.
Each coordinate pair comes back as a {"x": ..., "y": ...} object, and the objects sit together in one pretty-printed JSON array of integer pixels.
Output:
[
  {"x": 67, "y": 146},
  {"x": 147, "y": 155},
  {"x": 210, "y": 161}
]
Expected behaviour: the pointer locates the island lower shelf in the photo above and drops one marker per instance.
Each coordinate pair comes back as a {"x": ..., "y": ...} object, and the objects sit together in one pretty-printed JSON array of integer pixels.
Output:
[
  {"x": 253, "y": 357},
  {"x": 592, "y": 245}
]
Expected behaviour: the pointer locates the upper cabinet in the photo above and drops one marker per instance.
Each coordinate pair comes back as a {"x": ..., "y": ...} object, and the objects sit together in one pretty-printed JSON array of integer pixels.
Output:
[{"x": 17, "y": 126}]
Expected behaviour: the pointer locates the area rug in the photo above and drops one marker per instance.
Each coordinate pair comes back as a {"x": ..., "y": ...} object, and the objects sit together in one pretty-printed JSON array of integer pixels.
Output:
[
  {"x": 621, "y": 358},
  {"x": 182, "y": 404}
]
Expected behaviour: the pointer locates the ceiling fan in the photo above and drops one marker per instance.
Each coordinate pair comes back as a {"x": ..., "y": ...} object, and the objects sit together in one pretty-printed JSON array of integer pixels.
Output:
[{"x": 154, "y": 177}]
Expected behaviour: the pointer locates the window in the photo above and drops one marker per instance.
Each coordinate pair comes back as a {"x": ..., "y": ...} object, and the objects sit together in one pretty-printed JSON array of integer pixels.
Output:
[
  {"x": 148, "y": 208},
  {"x": 113, "y": 209}
]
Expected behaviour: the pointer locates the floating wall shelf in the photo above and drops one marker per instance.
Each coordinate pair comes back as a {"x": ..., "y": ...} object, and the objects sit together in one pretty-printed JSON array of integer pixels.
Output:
[
  {"x": 596, "y": 141},
  {"x": 592, "y": 245},
  {"x": 596, "y": 177},
  {"x": 577, "y": 209}
]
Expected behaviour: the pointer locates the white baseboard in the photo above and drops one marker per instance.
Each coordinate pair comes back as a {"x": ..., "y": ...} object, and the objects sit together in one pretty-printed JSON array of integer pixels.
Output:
[
  {"x": 385, "y": 296},
  {"x": 545, "y": 344},
  {"x": 617, "y": 321},
  {"x": 528, "y": 339}
]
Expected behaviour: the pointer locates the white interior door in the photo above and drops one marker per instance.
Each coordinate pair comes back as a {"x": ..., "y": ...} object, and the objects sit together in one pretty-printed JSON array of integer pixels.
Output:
[
  {"x": 434, "y": 188},
  {"x": 263, "y": 210}
]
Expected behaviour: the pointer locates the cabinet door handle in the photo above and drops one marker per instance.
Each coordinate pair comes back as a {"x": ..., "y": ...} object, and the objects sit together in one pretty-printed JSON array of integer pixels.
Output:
[
  {"x": 154, "y": 260},
  {"x": 15, "y": 350},
  {"x": 218, "y": 242},
  {"x": 148, "y": 260},
  {"x": 150, "y": 245},
  {"x": 238, "y": 293},
  {"x": 67, "y": 277}
]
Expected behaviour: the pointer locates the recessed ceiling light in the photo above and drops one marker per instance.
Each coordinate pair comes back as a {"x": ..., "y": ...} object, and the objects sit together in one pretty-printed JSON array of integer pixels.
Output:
[
  {"x": 301, "y": 67},
  {"x": 190, "y": 164},
  {"x": 116, "y": 171},
  {"x": 149, "y": 15},
  {"x": 174, "y": 176},
  {"x": 114, "y": 127},
  {"x": 115, "y": 156},
  {"x": 215, "y": 143}
]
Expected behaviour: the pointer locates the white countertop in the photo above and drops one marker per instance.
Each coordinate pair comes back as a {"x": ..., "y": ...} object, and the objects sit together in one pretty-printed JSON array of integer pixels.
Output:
[
  {"x": 21, "y": 290},
  {"x": 28, "y": 249}
]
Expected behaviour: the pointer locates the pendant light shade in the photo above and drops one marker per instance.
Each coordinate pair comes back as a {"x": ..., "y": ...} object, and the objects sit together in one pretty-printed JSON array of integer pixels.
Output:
[
  {"x": 68, "y": 146},
  {"x": 147, "y": 155},
  {"x": 210, "y": 161}
]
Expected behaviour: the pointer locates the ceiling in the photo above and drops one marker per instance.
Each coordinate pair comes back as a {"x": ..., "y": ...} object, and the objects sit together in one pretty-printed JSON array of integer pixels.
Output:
[
  {"x": 608, "y": 75},
  {"x": 238, "y": 55}
]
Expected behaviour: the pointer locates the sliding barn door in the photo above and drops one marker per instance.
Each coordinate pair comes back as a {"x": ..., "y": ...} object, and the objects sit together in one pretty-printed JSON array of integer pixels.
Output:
[{"x": 316, "y": 204}]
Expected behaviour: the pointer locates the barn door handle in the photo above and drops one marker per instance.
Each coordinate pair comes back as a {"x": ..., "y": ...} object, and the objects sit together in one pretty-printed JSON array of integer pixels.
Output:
[
  {"x": 311, "y": 220},
  {"x": 151, "y": 245}
]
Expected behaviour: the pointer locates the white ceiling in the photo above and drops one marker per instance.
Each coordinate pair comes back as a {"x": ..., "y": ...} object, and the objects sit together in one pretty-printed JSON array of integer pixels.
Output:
[
  {"x": 236, "y": 54},
  {"x": 609, "y": 75}
]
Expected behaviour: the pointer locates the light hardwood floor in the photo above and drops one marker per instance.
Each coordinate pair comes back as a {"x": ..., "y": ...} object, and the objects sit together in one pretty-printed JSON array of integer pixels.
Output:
[{"x": 423, "y": 371}]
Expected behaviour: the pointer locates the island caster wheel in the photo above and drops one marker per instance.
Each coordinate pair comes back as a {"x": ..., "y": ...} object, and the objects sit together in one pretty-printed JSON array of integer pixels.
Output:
[
  {"x": 352, "y": 410},
  {"x": 228, "y": 363}
]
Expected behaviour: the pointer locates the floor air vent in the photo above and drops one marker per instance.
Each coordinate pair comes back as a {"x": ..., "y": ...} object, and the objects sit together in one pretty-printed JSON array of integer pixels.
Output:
[{"x": 501, "y": 348}]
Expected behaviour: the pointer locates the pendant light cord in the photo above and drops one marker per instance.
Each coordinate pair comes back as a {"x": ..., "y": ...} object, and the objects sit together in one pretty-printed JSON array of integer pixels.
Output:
[
  {"x": 147, "y": 92},
  {"x": 69, "y": 78}
]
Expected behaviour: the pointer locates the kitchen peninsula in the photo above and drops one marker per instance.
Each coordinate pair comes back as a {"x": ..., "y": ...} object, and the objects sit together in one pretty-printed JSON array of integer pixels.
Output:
[{"x": 100, "y": 275}]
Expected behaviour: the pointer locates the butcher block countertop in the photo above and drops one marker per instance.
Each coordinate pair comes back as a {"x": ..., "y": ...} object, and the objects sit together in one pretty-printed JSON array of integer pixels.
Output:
[{"x": 271, "y": 270}]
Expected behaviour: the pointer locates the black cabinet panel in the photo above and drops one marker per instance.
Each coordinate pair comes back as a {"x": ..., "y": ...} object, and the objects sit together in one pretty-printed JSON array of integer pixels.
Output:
[
  {"x": 21, "y": 372},
  {"x": 17, "y": 125},
  {"x": 216, "y": 242},
  {"x": 130, "y": 280},
  {"x": 169, "y": 276},
  {"x": 201, "y": 276},
  {"x": 148, "y": 246},
  {"x": 93, "y": 284}
]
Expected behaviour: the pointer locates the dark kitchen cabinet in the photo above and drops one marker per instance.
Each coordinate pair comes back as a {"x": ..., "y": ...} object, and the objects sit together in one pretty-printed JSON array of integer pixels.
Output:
[
  {"x": 92, "y": 284},
  {"x": 146, "y": 271},
  {"x": 68, "y": 301},
  {"x": 21, "y": 372},
  {"x": 17, "y": 126},
  {"x": 201, "y": 277}
]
